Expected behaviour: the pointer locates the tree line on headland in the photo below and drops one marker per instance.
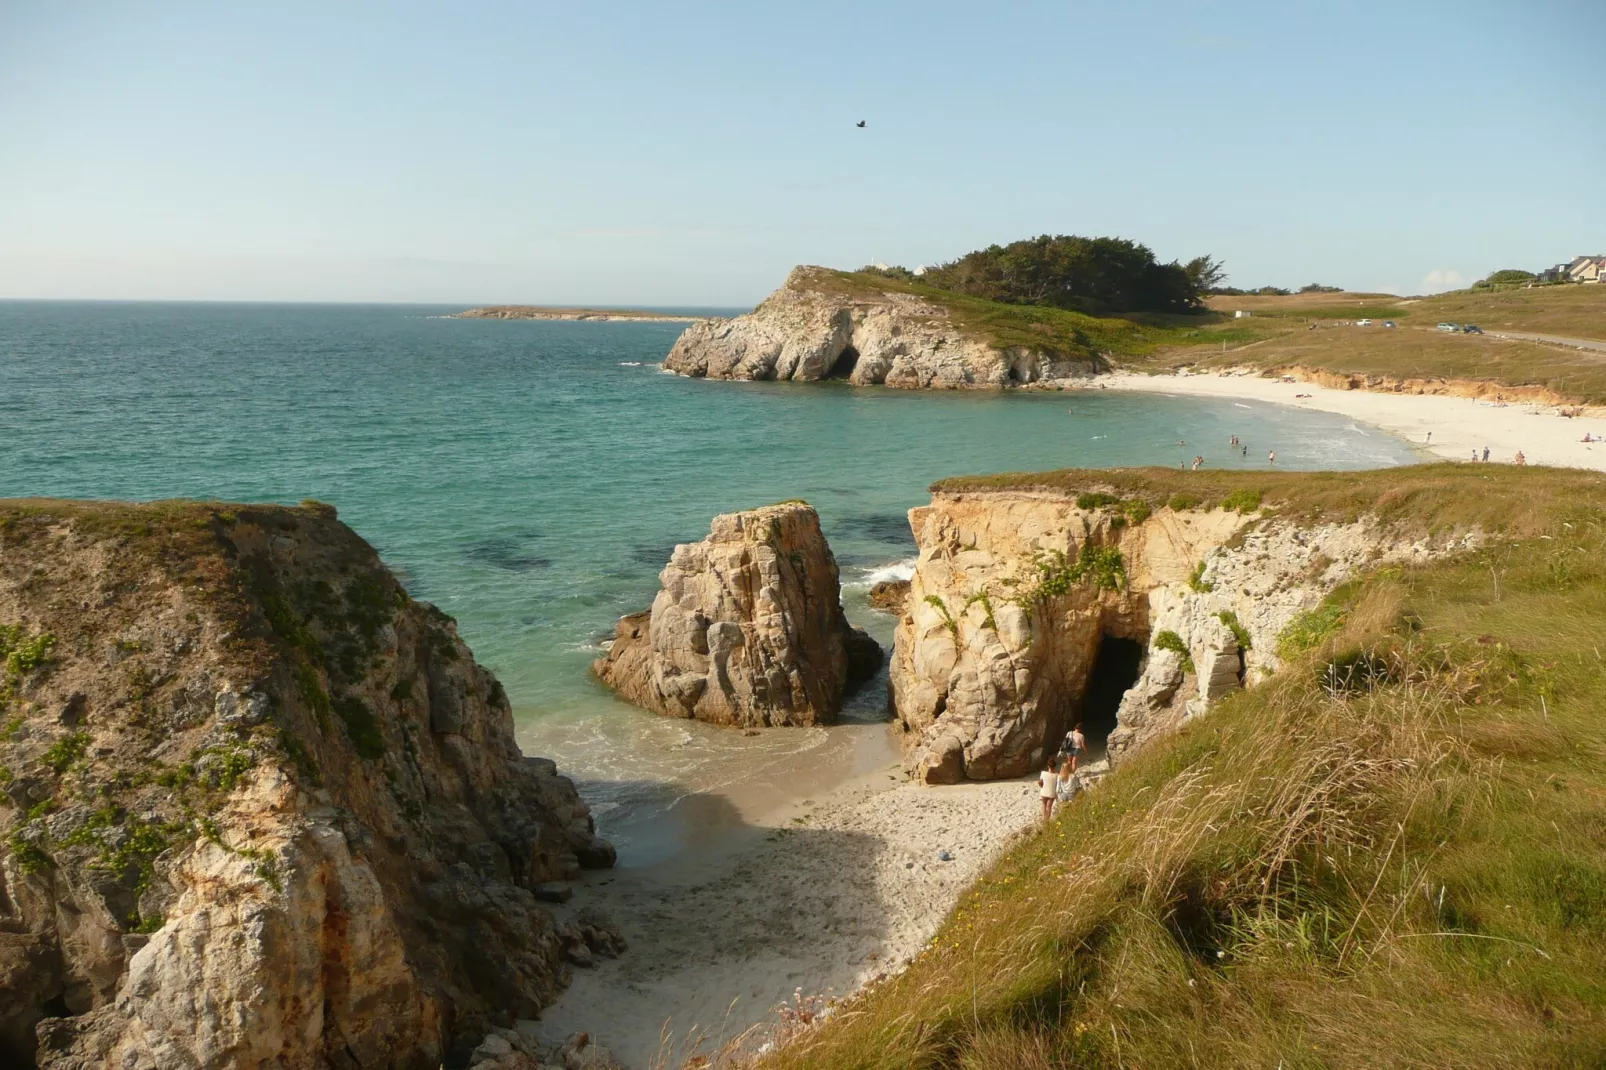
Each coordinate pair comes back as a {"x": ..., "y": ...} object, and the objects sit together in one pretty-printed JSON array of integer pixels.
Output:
[{"x": 1097, "y": 276}]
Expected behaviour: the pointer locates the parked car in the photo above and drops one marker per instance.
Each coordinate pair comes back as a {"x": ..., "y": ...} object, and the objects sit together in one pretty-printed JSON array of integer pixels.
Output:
[
  {"x": 1451, "y": 328},
  {"x": 1363, "y": 323},
  {"x": 1471, "y": 328},
  {"x": 1388, "y": 323}
]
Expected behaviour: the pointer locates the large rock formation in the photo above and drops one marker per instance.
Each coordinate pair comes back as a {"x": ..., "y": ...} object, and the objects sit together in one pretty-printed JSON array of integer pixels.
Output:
[
  {"x": 747, "y": 630},
  {"x": 814, "y": 328},
  {"x": 1016, "y": 592},
  {"x": 262, "y": 807}
]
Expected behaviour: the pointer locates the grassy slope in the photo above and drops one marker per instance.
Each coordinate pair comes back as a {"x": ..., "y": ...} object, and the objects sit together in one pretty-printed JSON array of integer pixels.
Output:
[
  {"x": 1277, "y": 335},
  {"x": 1416, "y": 350},
  {"x": 1407, "y": 874}
]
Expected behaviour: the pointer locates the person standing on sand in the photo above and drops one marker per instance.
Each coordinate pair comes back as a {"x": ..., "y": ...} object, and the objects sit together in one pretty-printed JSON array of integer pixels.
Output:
[
  {"x": 1048, "y": 787},
  {"x": 1520, "y": 459},
  {"x": 1485, "y": 453},
  {"x": 1271, "y": 456}
]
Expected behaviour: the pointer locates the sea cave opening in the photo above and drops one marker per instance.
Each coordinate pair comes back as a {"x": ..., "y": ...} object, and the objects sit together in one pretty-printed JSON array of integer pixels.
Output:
[
  {"x": 843, "y": 366},
  {"x": 1115, "y": 670}
]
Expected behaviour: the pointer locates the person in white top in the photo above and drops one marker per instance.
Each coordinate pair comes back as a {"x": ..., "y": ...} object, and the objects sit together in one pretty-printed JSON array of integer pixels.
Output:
[{"x": 1048, "y": 787}]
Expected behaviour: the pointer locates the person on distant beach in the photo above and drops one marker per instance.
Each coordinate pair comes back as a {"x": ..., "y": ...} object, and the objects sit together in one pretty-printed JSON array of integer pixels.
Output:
[
  {"x": 1197, "y": 461},
  {"x": 1246, "y": 451},
  {"x": 1474, "y": 456},
  {"x": 1520, "y": 459},
  {"x": 1485, "y": 453},
  {"x": 1048, "y": 787},
  {"x": 1429, "y": 439},
  {"x": 1271, "y": 456}
]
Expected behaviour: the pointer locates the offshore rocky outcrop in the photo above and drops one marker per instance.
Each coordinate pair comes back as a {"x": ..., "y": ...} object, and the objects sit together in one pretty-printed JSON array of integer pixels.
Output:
[
  {"x": 261, "y": 807},
  {"x": 1017, "y": 595},
  {"x": 748, "y": 629},
  {"x": 810, "y": 329}
]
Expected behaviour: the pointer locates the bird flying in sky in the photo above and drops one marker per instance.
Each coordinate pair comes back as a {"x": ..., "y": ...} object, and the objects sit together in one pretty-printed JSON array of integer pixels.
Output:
[{"x": 860, "y": 124}]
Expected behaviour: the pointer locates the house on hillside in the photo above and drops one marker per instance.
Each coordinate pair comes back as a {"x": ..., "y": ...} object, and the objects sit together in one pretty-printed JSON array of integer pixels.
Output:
[{"x": 1585, "y": 269}]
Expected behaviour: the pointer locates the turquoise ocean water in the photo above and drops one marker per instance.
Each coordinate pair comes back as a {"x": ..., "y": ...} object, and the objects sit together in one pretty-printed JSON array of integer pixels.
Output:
[{"x": 531, "y": 478}]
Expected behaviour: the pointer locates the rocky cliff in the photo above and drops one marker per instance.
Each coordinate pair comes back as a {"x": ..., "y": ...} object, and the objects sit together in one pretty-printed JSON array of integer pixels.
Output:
[
  {"x": 747, "y": 630},
  {"x": 261, "y": 807},
  {"x": 815, "y": 328},
  {"x": 1021, "y": 600}
]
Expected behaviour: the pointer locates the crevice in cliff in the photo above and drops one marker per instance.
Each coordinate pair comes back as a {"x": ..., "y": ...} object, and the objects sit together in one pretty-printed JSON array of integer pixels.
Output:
[
  {"x": 1116, "y": 668},
  {"x": 842, "y": 367}
]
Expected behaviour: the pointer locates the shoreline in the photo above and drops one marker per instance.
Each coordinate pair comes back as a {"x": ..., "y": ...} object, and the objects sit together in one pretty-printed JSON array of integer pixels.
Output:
[
  {"x": 816, "y": 894},
  {"x": 1459, "y": 425}
]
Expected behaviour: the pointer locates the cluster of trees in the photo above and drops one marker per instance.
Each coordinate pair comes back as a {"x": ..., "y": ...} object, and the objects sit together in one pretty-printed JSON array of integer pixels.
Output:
[
  {"x": 1100, "y": 276},
  {"x": 1277, "y": 291}
]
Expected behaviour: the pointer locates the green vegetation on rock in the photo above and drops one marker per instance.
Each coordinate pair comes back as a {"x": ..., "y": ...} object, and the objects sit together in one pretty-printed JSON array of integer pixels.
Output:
[{"x": 1170, "y": 640}]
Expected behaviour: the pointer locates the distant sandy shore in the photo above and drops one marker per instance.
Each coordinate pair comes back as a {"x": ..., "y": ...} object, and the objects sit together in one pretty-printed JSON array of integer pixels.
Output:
[
  {"x": 821, "y": 895},
  {"x": 1458, "y": 425},
  {"x": 538, "y": 312}
]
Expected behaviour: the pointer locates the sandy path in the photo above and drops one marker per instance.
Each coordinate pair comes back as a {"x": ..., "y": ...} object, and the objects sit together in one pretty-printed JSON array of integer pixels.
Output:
[
  {"x": 1458, "y": 425},
  {"x": 819, "y": 897}
]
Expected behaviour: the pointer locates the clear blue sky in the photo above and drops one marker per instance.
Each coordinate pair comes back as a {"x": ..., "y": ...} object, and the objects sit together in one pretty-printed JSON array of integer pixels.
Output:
[{"x": 690, "y": 153}]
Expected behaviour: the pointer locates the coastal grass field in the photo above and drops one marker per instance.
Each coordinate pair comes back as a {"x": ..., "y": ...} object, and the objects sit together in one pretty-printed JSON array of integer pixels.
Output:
[
  {"x": 1391, "y": 853},
  {"x": 1278, "y": 335}
]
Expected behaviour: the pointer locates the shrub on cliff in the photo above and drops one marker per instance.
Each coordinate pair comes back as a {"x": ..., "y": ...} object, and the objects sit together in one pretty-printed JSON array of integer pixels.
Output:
[{"x": 1091, "y": 275}]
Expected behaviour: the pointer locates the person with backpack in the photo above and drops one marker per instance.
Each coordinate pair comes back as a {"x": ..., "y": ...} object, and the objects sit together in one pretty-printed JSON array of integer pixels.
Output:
[{"x": 1075, "y": 743}]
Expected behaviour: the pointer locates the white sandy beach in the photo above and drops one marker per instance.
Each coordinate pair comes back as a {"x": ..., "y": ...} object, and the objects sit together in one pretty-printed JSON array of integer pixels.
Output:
[
  {"x": 821, "y": 897},
  {"x": 1458, "y": 425}
]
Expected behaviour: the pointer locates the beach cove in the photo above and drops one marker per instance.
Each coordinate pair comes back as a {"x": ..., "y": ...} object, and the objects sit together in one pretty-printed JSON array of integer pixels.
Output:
[{"x": 531, "y": 479}]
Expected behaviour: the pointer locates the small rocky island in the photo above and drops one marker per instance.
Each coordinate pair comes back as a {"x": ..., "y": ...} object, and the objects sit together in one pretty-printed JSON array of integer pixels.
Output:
[
  {"x": 541, "y": 312},
  {"x": 825, "y": 324},
  {"x": 748, "y": 629},
  {"x": 260, "y": 806}
]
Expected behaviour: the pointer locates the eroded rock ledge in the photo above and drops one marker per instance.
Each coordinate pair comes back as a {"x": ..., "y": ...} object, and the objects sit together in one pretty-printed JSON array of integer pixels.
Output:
[
  {"x": 810, "y": 330},
  {"x": 264, "y": 808},
  {"x": 747, "y": 630},
  {"x": 1024, "y": 604}
]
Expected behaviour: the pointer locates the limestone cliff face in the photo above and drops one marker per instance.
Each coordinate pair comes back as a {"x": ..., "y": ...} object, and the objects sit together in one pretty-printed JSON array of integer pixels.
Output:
[
  {"x": 1015, "y": 591},
  {"x": 747, "y": 630},
  {"x": 262, "y": 808},
  {"x": 808, "y": 330}
]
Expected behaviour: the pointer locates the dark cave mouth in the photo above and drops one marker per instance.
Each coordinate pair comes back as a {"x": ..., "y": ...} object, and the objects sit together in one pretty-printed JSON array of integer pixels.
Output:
[
  {"x": 1115, "y": 669},
  {"x": 842, "y": 367}
]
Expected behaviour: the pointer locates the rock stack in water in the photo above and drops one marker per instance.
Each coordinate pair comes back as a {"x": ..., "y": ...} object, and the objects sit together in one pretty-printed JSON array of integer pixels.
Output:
[
  {"x": 264, "y": 809},
  {"x": 748, "y": 629}
]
